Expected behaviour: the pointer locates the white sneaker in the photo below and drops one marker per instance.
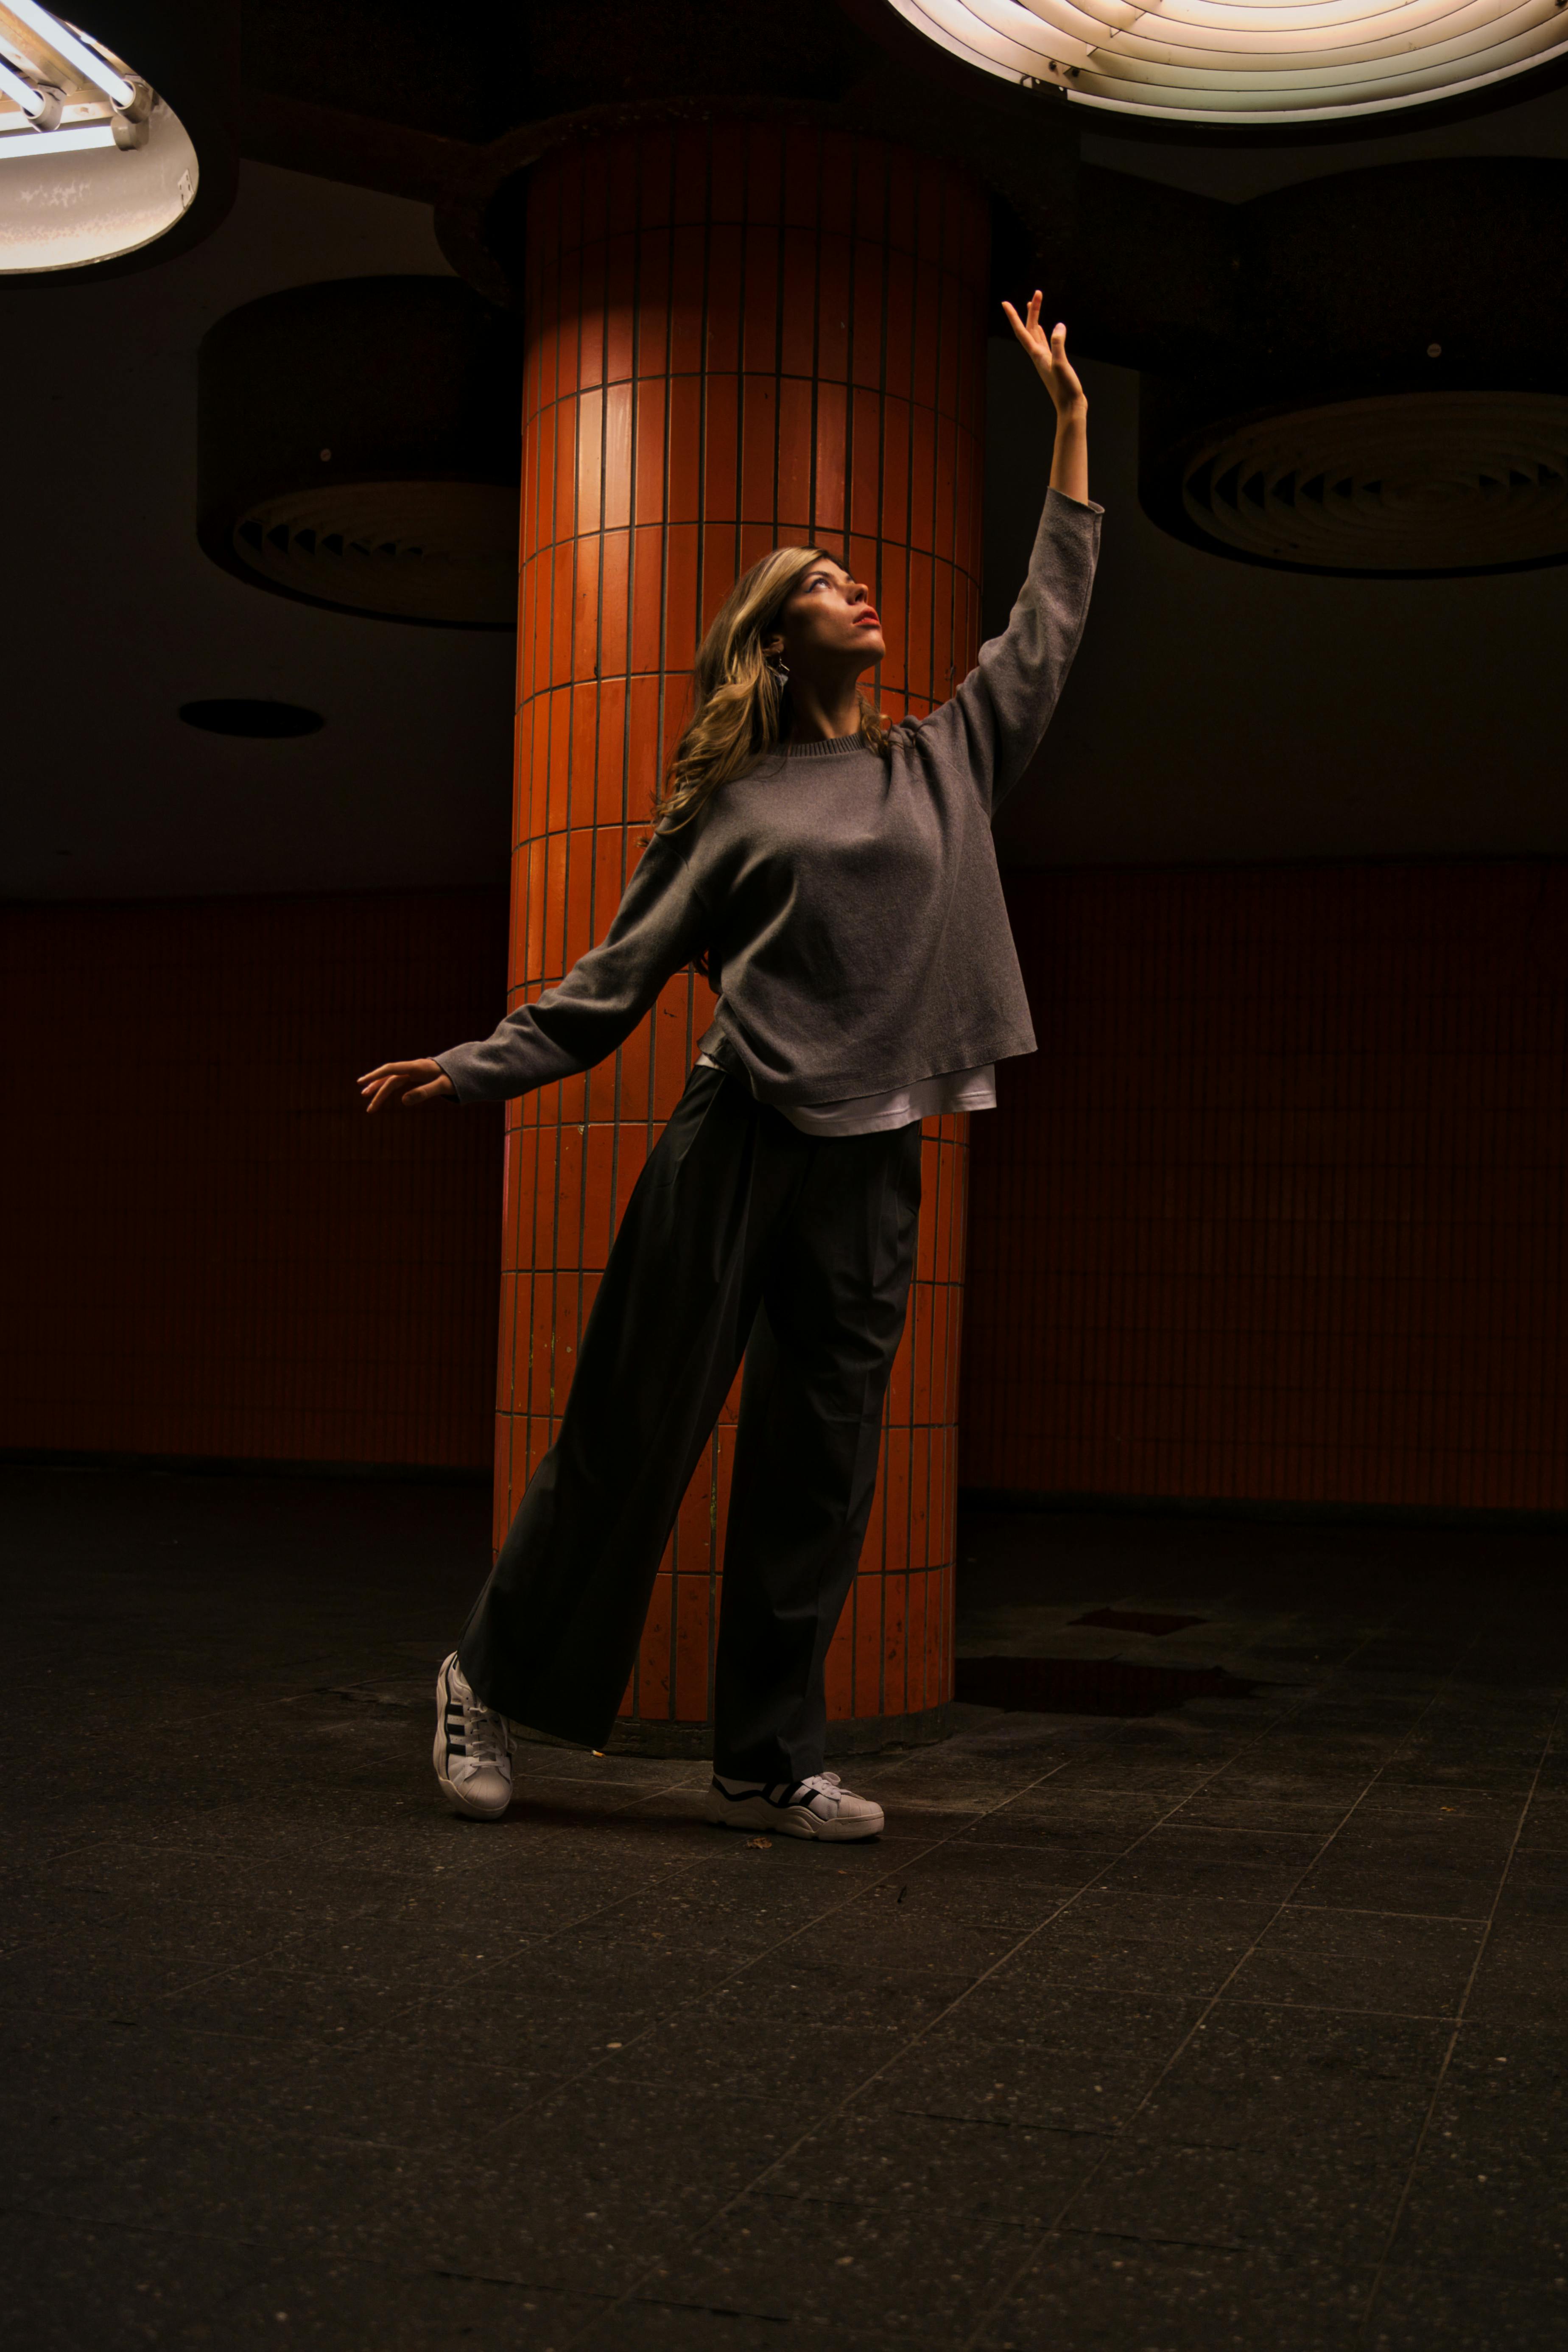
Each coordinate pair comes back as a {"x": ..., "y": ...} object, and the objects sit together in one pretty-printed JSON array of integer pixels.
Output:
[
  {"x": 818, "y": 1807},
  {"x": 473, "y": 1748}
]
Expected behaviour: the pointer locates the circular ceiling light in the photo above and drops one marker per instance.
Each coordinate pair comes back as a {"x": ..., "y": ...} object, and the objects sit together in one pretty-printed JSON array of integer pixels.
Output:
[
  {"x": 1258, "y": 61},
  {"x": 94, "y": 162},
  {"x": 260, "y": 721},
  {"x": 1403, "y": 484}
]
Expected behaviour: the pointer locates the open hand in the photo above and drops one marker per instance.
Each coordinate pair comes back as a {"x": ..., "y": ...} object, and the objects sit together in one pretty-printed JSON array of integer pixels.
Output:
[
  {"x": 1049, "y": 355},
  {"x": 404, "y": 1084}
]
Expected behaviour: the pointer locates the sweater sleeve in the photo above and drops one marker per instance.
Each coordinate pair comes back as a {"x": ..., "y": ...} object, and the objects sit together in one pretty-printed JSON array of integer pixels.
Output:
[
  {"x": 659, "y": 925},
  {"x": 993, "y": 724}
]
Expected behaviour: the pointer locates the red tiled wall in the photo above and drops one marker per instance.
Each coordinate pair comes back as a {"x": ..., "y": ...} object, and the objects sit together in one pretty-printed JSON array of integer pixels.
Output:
[
  {"x": 1277, "y": 1212},
  {"x": 209, "y": 1249}
]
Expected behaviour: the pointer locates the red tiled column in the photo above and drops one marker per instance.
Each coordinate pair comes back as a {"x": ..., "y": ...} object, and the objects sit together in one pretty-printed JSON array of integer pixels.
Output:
[{"x": 737, "y": 336}]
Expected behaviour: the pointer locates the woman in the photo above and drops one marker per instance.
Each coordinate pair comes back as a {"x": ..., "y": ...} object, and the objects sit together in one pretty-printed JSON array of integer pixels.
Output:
[{"x": 840, "y": 879}]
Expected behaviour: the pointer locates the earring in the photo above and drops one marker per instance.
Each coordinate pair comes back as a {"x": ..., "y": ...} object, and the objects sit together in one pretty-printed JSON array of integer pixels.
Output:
[{"x": 780, "y": 669}]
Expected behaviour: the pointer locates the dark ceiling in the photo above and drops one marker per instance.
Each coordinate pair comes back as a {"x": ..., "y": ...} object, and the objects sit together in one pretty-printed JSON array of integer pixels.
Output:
[
  {"x": 1216, "y": 713},
  {"x": 476, "y": 72}
]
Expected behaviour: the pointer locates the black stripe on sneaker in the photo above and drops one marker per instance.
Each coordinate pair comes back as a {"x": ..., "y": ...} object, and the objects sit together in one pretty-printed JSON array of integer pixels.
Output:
[{"x": 781, "y": 1798}]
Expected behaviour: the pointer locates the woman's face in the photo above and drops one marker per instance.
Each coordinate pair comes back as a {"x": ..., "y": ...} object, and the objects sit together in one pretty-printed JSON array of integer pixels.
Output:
[{"x": 828, "y": 625}]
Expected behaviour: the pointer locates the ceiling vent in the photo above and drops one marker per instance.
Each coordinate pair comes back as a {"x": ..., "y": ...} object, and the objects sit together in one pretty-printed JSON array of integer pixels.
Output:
[
  {"x": 1385, "y": 390},
  {"x": 436, "y": 552},
  {"x": 361, "y": 448},
  {"x": 1416, "y": 484}
]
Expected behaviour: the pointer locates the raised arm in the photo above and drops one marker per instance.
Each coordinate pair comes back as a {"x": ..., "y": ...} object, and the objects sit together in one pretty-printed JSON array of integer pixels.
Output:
[
  {"x": 995, "y": 721},
  {"x": 659, "y": 925},
  {"x": 1048, "y": 353}
]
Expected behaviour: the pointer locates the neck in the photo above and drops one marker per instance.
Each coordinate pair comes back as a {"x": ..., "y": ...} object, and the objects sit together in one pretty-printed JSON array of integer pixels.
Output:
[{"x": 821, "y": 714}]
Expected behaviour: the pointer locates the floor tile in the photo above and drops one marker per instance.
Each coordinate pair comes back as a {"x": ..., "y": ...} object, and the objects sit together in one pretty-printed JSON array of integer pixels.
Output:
[
  {"x": 1289, "y": 2078},
  {"x": 1132, "y": 1943},
  {"x": 990, "y": 2170},
  {"x": 1445, "y": 2311},
  {"x": 749, "y": 2039},
  {"x": 1015, "y": 1887},
  {"x": 1218, "y": 1864},
  {"x": 71, "y": 2284},
  {"x": 1362, "y": 1960},
  {"x": 1039, "y": 2054},
  {"x": 1535, "y": 1888},
  {"x": 1221, "y": 1807},
  {"x": 1101, "y": 1821},
  {"x": 1265, "y": 2193},
  {"x": 640, "y": 2324},
  {"x": 1520, "y": 1978},
  {"x": 1544, "y": 1829},
  {"x": 872, "y": 2267},
  {"x": 336, "y": 2305},
  {"x": 1113, "y": 2294}
]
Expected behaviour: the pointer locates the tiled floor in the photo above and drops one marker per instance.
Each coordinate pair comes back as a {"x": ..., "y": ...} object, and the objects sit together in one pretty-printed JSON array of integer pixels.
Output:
[{"x": 1238, "y": 2028}]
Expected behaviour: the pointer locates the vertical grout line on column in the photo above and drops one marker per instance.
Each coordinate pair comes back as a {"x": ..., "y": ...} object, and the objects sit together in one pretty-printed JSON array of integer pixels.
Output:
[
  {"x": 811, "y": 493},
  {"x": 703, "y": 354},
  {"x": 847, "y": 517},
  {"x": 741, "y": 346},
  {"x": 932, "y": 675},
  {"x": 567, "y": 956},
  {"x": 939, "y": 1408},
  {"x": 660, "y": 718},
  {"x": 542, "y": 1285},
  {"x": 634, "y": 420},
  {"x": 908, "y": 518},
  {"x": 781, "y": 249},
  {"x": 882, "y": 402},
  {"x": 557, "y": 1385},
  {"x": 503, "y": 1477},
  {"x": 602, "y": 1080},
  {"x": 853, "y": 1604},
  {"x": 524, "y": 926},
  {"x": 885, "y": 1564}
]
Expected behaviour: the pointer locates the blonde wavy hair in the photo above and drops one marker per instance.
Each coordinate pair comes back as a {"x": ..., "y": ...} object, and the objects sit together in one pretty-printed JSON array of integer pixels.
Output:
[{"x": 740, "y": 706}]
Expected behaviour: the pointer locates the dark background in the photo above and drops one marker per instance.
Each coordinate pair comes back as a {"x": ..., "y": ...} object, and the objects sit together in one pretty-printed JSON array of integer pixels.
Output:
[{"x": 1338, "y": 802}]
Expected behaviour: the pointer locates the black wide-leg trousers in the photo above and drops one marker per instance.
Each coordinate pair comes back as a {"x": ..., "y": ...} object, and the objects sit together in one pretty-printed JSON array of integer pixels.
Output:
[{"x": 743, "y": 1238}]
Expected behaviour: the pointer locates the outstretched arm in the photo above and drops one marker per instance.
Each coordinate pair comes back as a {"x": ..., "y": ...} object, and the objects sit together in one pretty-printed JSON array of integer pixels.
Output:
[
  {"x": 1069, "y": 462},
  {"x": 659, "y": 925}
]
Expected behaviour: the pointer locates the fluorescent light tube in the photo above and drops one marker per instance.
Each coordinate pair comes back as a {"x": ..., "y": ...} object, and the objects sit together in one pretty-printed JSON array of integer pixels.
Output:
[
  {"x": 30, "y": 101},
  {"x": 38, "y": 146},
  {"x": 64, "y": 42}
]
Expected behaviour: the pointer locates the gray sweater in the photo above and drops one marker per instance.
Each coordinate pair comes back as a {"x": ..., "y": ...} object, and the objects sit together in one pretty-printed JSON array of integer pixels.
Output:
[{"x": 849, "y": 903}]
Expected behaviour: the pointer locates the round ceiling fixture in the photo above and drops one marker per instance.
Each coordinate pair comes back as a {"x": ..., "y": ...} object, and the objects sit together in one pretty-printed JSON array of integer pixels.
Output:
[
  {"x": 1258, "y": 61},
  {"x": 95, "y": 162},
  {"x": 1404, "y": 484},
  {"x": 260, "y": 721},
  {"x": 404, "y": 550},
  {"x": 360, "y": 446}
]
